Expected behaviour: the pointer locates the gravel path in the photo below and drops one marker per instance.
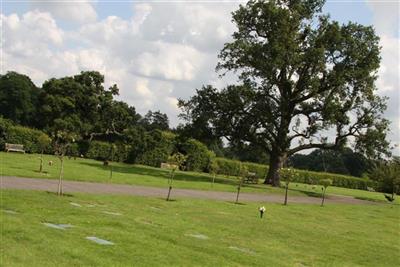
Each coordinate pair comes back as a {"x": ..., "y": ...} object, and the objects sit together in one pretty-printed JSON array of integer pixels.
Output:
[{"x": 9, "y": 182}]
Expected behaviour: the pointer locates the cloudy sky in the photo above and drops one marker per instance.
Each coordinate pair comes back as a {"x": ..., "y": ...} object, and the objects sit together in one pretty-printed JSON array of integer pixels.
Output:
[{"x": 157, "y": 52}]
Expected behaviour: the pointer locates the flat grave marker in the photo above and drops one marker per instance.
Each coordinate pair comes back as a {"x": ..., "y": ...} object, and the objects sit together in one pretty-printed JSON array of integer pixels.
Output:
[
  {"x": 198, "y": 236},
  {"x": 10, "y": 211},
  {"x": 99, "y": 240},
  {"x": 245, "y": 250},
  {"x": 58, "y": 226},
  {"x": 112, "y": 213}
]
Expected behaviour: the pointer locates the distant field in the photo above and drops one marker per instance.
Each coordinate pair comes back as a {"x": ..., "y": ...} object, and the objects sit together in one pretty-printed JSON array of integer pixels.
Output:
[
  {"x": 153, "y": 232},
  {"x": 26, "y": 165}
]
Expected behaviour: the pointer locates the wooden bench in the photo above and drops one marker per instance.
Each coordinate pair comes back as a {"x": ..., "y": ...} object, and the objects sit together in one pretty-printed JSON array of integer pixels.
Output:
[
  {"x": 168, "y": 166},
  {"x": 250, "y": 178},
  {"x": 14, "y": 147}
]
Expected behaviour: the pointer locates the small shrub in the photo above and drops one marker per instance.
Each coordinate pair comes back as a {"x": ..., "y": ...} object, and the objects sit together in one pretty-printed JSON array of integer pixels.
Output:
[
  {"x": 159, "y": 145},
  {"x": 198, "y": 157},
  {"x": 99, "y": 150}
]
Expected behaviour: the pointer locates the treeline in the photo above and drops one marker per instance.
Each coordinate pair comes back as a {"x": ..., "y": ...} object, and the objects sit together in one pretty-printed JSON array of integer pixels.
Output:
[
  {"x": 344, "y": 161},
  {"x": 106, "y": 129},
  {"x": 82, "y": 105}
]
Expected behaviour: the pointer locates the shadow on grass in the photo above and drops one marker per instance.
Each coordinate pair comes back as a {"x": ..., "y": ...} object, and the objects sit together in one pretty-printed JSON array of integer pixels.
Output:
[
  {"x": 161, "y": 173},
  {"x": 56, "y": 194},
  {"x": 376, "y": 200}
]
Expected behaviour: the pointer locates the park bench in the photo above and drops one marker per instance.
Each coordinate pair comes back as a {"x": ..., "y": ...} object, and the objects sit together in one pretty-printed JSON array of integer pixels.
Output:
[
  {"x": 250, "y": 178},
  {"x": 14, "y": 147},
  {"x": 168, "y": 166}
]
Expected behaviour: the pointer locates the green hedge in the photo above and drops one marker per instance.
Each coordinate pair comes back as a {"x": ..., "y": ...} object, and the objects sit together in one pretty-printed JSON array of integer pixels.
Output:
[
  {"x": 159, "y": 146},
  {"x": 310, "y": 177},
  {"x": 231, "y": 168},
  {"x": 103, "y": 151},
  {"x": 15, "y": 134},
  {"x": 99, "y": 150}
]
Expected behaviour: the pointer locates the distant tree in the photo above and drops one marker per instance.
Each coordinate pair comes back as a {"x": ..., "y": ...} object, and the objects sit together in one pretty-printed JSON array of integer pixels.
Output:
[
  {"x": 336, "y": 161},
  {"x": 387, "y": 174},
  {"x": 246, "y": 152},
  {"x": 82, "y": 98},
  {"x": 301, "y": 75},
  {"x": 155, "y": 121},
  {"x": 18, "y": 98}
]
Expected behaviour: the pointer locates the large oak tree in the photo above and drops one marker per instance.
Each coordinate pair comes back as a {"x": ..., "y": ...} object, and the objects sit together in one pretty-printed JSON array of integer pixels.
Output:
[{"x": 302, "y": 78}]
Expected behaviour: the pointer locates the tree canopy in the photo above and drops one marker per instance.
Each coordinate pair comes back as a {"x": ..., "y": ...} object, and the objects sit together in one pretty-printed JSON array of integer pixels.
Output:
[
  {"x": 302, "y": 78},
  {"x": 18, "y": 98}
]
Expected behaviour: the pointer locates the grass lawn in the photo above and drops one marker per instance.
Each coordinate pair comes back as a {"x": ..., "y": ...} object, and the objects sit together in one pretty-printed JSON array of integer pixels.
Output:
[
  {"x": 26, "y": 165},
  {"x": 153, "y": 232}
]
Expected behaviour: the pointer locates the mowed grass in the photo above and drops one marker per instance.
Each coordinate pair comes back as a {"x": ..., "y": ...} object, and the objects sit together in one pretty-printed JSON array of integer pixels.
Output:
[
  {"x": 79, "y": 169},
  {"x": 153, "y": 232}
]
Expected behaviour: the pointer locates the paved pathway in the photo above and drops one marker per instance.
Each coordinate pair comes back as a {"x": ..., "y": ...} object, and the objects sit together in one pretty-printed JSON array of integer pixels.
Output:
[{"x": 9, "y": 182}]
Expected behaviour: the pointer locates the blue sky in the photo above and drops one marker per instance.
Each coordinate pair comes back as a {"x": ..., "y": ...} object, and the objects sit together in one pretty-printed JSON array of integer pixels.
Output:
[
  {"x": 342, "y": 11},
  {"x": 159, "y": 52}
]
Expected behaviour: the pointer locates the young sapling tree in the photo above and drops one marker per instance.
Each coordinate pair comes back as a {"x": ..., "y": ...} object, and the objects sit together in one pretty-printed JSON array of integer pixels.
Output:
[
  {"x": 242, "y": 172},
  {"x": 43, "y": 142},
  {"x": 61, "y": 141},
  {"x": 176, "y": 161},
  {"x": 287, "y": 176},
  {"x": 325, "y": 183},
  {"x": 112, "y": 152},
  {"x": 214, "y": 168}
]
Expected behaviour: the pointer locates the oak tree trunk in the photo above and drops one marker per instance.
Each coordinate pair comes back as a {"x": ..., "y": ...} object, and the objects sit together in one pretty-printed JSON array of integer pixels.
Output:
[{"x": 275, "y": 164}]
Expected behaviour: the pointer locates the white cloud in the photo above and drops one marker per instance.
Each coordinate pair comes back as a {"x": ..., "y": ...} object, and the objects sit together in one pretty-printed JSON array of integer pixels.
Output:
[
  {"x": 386, "y": 16},
  {"x": 170, "y": 61},
  {"x": 79, "y": 11}
]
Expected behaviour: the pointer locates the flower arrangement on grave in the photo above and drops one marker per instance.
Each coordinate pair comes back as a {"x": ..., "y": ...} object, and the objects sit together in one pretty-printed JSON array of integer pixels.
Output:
[{"x": 261, "y": 210}]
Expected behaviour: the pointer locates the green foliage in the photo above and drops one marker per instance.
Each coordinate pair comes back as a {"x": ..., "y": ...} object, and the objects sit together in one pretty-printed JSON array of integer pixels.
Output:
[
  {"x": 344, "y": 162},
  {"x": 107, "y": 151},
  {"x": 31, "y": 139},
  {"x": 155, "y": 121},
  {"x": 325, "y": 182},
  {"x": 387, "y": 175},
  {"x": 294, "y": 62},
  {"x": 177, "y": 159},
  {"x": 232, "y": 167},
  {"x": 157, "y": 148},
  {"x": 288, "y": 175},
  {"x": 99, "y": 150},
  {"x": 18, "y": 98},
  {"x": 5, "y": 124},
  {"x": 198, "y": 157},
  {"x": 309, "y": 177},
  {"x": 44, "y": 142},
  {"x": 80, "y": 102}
]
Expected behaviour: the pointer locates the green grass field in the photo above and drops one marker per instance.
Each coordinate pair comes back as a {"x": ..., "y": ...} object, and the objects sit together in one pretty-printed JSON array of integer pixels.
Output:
[
  {"x": 153, "y": 232},
  {"x": 26, "y": 165}
]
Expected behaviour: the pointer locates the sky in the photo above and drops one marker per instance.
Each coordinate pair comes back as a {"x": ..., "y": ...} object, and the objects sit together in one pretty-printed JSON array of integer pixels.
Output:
[{"x": 160, "y": 51}]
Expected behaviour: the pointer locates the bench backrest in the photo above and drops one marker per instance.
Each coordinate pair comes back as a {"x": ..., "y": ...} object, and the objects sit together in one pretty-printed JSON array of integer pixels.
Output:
[
  {"x": 165, "y": 165},
  {"x": 14, "y": 146}
]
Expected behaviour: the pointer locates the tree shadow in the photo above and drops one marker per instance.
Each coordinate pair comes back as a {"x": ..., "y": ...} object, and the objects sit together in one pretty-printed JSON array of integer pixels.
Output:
[{"x": 56, "y": 194}]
